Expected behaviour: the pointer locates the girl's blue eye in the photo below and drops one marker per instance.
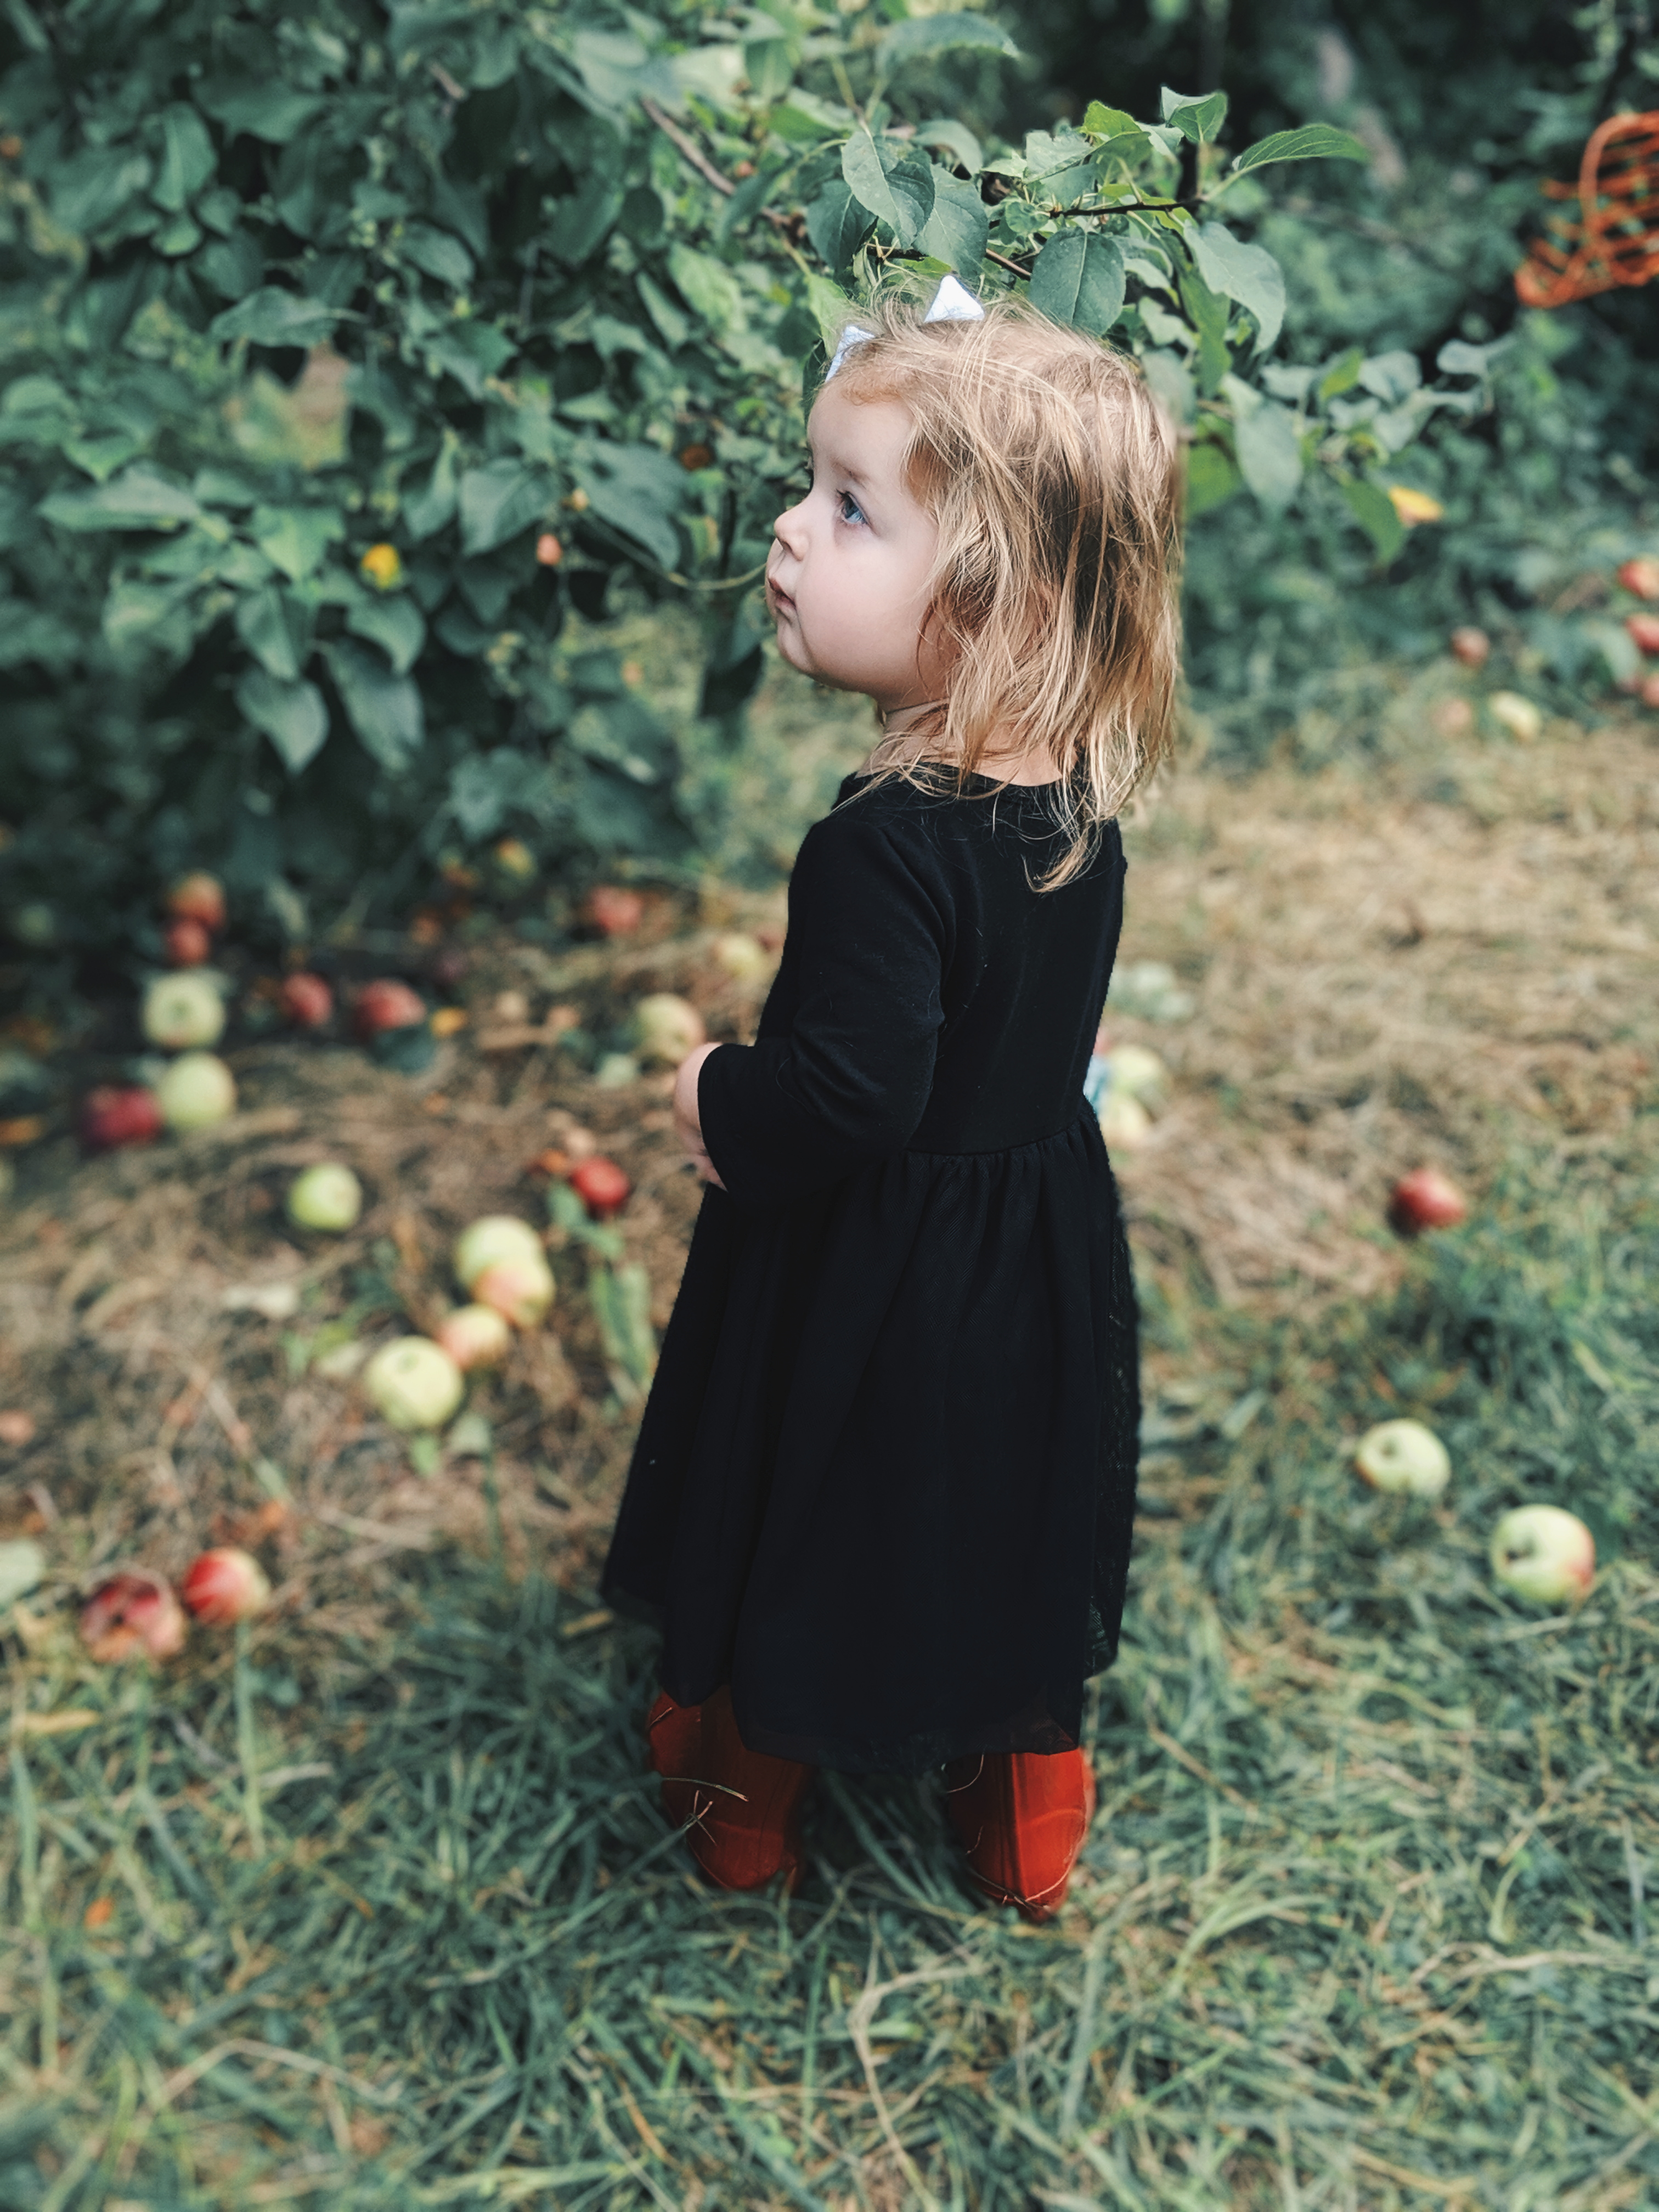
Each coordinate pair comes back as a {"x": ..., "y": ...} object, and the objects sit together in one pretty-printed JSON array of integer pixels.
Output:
[{"x": 850, "y": 509}]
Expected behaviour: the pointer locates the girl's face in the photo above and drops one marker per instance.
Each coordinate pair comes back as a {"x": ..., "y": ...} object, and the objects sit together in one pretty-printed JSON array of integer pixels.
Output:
[{"x": 846, "y": 580}]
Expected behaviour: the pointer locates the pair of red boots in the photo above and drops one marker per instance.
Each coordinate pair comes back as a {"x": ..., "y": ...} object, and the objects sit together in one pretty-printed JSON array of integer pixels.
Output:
[{"x": 1021, "y": 1816}]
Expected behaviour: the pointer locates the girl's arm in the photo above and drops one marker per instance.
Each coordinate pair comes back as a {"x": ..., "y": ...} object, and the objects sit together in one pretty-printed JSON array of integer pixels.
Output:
[{"x": 850, "y": 1082}]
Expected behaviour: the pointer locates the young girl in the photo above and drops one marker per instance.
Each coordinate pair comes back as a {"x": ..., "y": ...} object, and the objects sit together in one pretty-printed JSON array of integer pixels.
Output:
[{"x": 881, "y": 1498}]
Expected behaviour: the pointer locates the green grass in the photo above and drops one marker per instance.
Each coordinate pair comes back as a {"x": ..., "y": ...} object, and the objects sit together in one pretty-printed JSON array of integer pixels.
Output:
[{"x": 1364, "y": 1920}]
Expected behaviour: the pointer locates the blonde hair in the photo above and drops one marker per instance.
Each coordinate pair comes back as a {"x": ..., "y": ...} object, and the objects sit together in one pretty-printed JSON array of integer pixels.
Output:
[{"x": 1053, "y": 477}]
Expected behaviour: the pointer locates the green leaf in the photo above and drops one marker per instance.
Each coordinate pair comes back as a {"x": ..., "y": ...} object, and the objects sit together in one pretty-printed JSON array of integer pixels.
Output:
[
  {"x": 1211, "y": 478},
  {"x": 275, "y": 318},
  {"x": 135, "y": 500},
  {"x": 1342, "y": 375},
  {"x": 90, "y": 190},
  {"x": 827, "y": 304},
  {"x": 187, "y": 158},
  {"x": 1248, "y": 274},
  {"x": 1078, "y": 278},
  {"x": 1315, "y": 142},
  {"x": 770, "y": 65},
  {"x": 294, "y": 716},
  {"x": 395, "y": 625},
  {"x": 276, "y": 631},
  {"x": 938, "y": 34},
  {"x": 1392, "y": 377},
  {"x": 1374, "y": 511},
  {"x": 673, "y": 324},
  {"x": 706, "y": 286},
  {"x": 1208, "y": 312},
  {"x": 956, "y": 139},
  {"x": 837, "y": 224},
  {"x": 1197, "y": 117},
  {"x": 472, "y": 351},
  {"x": 437, "y": 253},
  {"x": 385, "y": 709},
  {"x": 1100, "y": 121},
  {"x": 427, "y": 511},
  {"x": 1269, "y": 452},
  {"x": 958, "y": 226},
  {"x": 1060, "y": 165},
  {"x": 634, "y": 488},
  {"x": 497, "y": 501},
  {"x": 894, "y": 182},
  {"x": 582, "y": 223},
  {"x": 296, "y": 539},
  {"x": 1455, "y": 358},
  {"x": 265, "y": 112}
]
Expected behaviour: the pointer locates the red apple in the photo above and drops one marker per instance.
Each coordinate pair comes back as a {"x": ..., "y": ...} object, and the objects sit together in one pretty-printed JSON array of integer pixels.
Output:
[
  {"x": 111, "y": 1116},
  {"x": 1640, "y": 577},
  {"x": 521, "y": 1290},
  {"x": 601, "y": 1186},
  {"x": 188, "y": 943},
  {"x": 1426, "y": 1199},
  {"x": 306, "y": 1000},
  {"x": 198, "y": 897},
  {"x": 224, "y": 1586},
  {"x": 385, "y": 1004},
  {"x": 474, "y": 1336},
  {"x": 1471, "y": 646},
  {"x": 132, "y": 1613},
  {"x": 1645, "y": 630},
  {"x": 613, "y": 911},
  {"x": 1541, "y": 1552}
]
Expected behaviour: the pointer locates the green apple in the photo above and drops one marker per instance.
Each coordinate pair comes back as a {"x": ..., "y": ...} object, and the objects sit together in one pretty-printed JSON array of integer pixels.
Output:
[
  {"x": 494, "y": 1237},
  {"x": 327, "y": 1196},
  {"x": 667, "y": 1028},
  {"x": 414, "y": 1383},
  {"x": 520, "y": 1290},
  {"x": 1544, "y": 1553},
  {"x": 182, "y": 1010},
  {"x": 1404, "y": 1459},
  {"x": 194, "y": 1091}
]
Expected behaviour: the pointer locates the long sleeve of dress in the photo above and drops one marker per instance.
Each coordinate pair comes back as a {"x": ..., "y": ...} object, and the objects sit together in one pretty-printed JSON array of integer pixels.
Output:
[{"x": 848, "y": 1083}]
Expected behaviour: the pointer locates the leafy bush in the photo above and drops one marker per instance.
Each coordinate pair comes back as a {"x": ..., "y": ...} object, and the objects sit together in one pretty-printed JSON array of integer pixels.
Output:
[{"x": 344, "y": 356}]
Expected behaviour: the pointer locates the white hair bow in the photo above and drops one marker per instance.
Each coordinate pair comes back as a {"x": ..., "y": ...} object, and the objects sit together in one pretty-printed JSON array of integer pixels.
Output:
[{"x": 952, "y": 303}]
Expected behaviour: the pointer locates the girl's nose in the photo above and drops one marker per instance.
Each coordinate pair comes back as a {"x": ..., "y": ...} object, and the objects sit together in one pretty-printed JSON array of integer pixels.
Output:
[{"x": 789, "y": 529}]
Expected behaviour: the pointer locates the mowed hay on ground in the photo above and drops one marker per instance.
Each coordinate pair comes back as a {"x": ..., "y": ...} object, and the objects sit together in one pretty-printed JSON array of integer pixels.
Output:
[{"x": 1365, "y": 1918}]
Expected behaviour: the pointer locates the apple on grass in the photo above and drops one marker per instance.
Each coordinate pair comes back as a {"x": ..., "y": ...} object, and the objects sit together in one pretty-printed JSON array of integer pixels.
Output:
[
  {"x": 182, "y": 1010},
  {"x": 132, "y": 1615},
  {"x": 113, "y": 1116},
  {"x": 493, "y": 1237},
  {"x": 601, "y": 1185},
  {"x": 474, "y": 1336},
  {"x": 305, "y": 1000},
  {"x": 224, "y": 1586},
  {"x": 414, "y": 1383},
  {"x": 1404, "y": 1459},
  {"x": 198, "y": 897},
  {"x": 1471, "y": 646},
  {"x": 188, "y": 943},
  {"x": 1644, "y": 632},
  {"x": 1425, "y": 1199},
  {"x": 385, "y": 1004},
  {"x": 1640, "y": 577},
  {"x": 520, "y": 1290},
  {"x": 194, "y": 1091},
  {"x": 612, "y": 910},
  {"x": 667, "y": 1028},
  {"x": 1544, "y": 1553},
  {"x": 743, "y": 957},
  {"x": 327, "y": 1196}
]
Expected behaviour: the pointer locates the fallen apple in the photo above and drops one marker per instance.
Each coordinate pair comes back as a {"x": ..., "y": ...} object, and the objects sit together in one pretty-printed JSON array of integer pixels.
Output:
[
  {"x": 1644, "y": 630},
  {"x": 195, "y": 1091},
  {"x": 385, "y": 1004},
  {"x": 327, "y": 1196},
  {"x": 613, "y": 911},
  {"x": 486, "y": 1242},
  {"x": 113, "y": 1116},
  {"x": 1124, "y": 1122},
  {"x": 474, "y": 1336},
  {"x": 224, "y": 1586},
  {"x": 188, "y": 943},
  {"x": 1542, "y": 1552},
  {"x": 414, "y": 1383},
  {"x": 666, "y": 1027},
  {"x": 1471, "y": 646},
  {"x": 513, "y": 863},
  {"x": 184, "y": 1010},
  {"x": 16, "y": 1428},
  {"x": 520, "y": 1290},
  {"x": 1425, "y": 1199},
  {"x": 745, "y": 958},
  {"x": 132, "y": 1615},
  {"x": 601, "y": 1185},
  {"x": 1403, "y": 1458},
  {"x": 1517, "y": 715},
  {"x": 1137, "y": 1070},
  {"x": 198, "y": 897},
  {"x": 306, "y": 1000},
  {"x": 1451, "y": 718},
  {"x": 1640, "y": 577}
]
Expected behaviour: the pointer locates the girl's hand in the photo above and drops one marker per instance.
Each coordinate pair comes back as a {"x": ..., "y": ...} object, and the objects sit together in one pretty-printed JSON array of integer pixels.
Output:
[{"x": 688, "y": 1126}]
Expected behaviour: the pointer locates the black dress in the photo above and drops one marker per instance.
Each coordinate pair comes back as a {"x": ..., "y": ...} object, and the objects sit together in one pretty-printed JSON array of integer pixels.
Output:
[{"x": 884, "y": 1482}]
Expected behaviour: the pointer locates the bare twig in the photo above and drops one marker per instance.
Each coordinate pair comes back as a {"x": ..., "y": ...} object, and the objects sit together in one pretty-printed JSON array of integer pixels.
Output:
[{"x": 689, "y": 146}]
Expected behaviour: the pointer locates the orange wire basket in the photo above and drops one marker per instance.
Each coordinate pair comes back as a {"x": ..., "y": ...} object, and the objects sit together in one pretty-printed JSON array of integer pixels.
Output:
[{"x": 1615, "y": 238}]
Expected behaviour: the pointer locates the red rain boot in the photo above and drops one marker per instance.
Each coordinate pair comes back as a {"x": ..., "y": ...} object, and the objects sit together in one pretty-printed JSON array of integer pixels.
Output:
[
  {"x": 743, "y": 1805},
  {"x": 1021, "y": 1817}
]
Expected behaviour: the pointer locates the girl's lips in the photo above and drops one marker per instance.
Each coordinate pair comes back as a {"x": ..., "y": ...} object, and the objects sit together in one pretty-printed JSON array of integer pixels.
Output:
[{"x": 779, "y": 600}]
